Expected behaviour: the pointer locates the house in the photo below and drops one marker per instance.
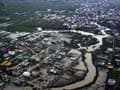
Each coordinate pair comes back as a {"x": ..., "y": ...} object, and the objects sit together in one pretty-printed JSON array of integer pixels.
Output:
[
  {"x": 101, "y": 63},
  {"x": 117, "y": 62},
  {"x": 117, "y": 56},
  {"x": 110, "y": 49},
  {"x": 117, "y": 50},
  {"x": 111, "y": 82}
]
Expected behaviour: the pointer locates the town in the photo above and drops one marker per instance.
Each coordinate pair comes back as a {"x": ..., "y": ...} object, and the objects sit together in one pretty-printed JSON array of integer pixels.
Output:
[{"x": 73, "y": 47}]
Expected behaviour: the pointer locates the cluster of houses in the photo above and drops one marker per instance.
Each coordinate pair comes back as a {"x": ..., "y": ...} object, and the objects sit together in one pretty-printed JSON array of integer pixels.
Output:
[
  {"x": 38, "y": 56},
  {"x": 100, "y": 12},
  {"x": 109, "y": 57}
]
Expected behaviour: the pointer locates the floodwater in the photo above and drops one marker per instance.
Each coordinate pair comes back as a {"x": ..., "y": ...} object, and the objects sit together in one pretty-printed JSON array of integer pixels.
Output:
[{"x": 92, "y": 70}]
